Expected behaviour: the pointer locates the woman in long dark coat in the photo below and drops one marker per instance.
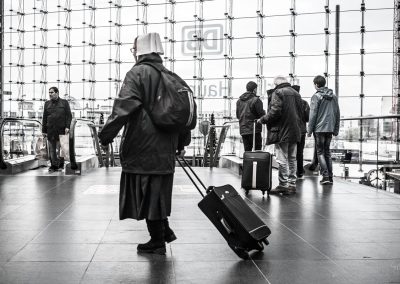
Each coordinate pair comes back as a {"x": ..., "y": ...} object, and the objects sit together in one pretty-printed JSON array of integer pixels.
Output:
[{"x": 147, "y": 154}]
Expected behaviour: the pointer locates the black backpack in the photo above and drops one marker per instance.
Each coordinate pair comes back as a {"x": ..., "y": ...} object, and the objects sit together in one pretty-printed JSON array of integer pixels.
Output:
[{"x": 174, "y": 108}]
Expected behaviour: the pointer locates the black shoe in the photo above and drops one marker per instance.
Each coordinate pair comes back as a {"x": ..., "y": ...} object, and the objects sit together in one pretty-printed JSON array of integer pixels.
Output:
[
  {"x": 61, "y": 165},
  {"x": 325, "y": 180},
  {"x": 280, "y": 189},
  {"x": 152, "y": 246},
  {"x": 169, "y": 235},
  {"x": 52, "y": 169},
  {"x": 330, "y": 180}
]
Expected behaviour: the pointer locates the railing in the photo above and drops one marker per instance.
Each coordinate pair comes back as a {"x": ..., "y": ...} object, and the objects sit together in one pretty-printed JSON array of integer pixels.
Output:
[
  {"x": 83, "y": 141},
  {"x": 373, "y": 142},
  {"x": 18, "y": 139}
]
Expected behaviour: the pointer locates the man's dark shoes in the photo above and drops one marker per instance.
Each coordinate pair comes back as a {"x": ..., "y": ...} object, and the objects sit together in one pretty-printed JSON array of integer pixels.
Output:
[
  {"x": 61, "y": 166},
  {"x": 330, "y": 180},
  {"x": 52, "y": 169},
  {"x": 152, "y": 247},
  {"x": 280, "y": 189},
  {"x": 325, "y": 181}
]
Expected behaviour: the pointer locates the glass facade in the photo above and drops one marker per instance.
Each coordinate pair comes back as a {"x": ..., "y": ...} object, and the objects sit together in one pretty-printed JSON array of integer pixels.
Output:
[{"x": 82, "y": 47}]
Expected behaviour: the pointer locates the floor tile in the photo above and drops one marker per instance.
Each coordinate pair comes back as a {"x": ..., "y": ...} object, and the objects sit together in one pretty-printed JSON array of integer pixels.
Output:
[
  {"x": 56, "y": 252},
  {"x": 149, "y": 271},
  {"x": 42, "y": 272}
]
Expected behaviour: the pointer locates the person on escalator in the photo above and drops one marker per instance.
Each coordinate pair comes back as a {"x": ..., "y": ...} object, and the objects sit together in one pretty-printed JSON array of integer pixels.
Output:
[{"x": 57, "y": 118}]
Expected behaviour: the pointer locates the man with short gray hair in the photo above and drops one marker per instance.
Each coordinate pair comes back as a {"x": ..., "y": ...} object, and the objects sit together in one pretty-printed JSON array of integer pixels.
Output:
[{"x": 283, "y": 122}]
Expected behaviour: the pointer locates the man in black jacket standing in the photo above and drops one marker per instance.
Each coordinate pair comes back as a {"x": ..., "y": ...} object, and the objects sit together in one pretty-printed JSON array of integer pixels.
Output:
[
  {"x": 283, "y": 120},
  {"x": 249, "y": 107},
  {"x": 57, "y": 118},
  {"x": 300, "y": 145}
]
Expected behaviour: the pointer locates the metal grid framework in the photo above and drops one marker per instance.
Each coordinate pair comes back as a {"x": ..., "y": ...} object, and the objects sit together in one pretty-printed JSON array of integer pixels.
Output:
[{"x": 90, "y": 98}]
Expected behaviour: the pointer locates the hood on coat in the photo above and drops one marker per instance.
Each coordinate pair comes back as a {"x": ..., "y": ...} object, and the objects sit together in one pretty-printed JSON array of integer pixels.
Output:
[
  {"x": 326, "y": 93},
  {"x": 246, "y": 96}
]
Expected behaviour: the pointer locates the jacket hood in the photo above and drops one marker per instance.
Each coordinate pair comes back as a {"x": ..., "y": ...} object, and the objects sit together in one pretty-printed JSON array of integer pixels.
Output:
[
  {"x": 326, "y": 93},
  {"x": 283, "y": 85},
  {"x": 151, "y": 57},
  {"x": 246, "y": 96}
]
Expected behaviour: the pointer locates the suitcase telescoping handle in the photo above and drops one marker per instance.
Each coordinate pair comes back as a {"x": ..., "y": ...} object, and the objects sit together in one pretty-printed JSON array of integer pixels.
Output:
[
  {"x": 254, "y": 135},
  {"x": 189, "y": 176}
]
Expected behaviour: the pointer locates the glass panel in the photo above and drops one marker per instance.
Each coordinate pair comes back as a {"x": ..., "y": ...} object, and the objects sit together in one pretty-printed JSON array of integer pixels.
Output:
[
  {"x": 20, "y": 138},
  {"x": 84, "y": 140}
]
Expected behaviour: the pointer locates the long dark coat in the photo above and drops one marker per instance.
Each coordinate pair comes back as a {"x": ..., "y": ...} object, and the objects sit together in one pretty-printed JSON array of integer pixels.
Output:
[
  {"x": 147, "y": 154},
  {"x": 144, "y": 148}
]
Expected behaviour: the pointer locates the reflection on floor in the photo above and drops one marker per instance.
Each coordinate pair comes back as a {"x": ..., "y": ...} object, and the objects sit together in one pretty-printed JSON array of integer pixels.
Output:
[{"x": 65, "y": 229}]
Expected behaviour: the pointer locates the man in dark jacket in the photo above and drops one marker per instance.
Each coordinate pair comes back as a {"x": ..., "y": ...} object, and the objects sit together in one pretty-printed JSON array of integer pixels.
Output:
[
  {"x": 283, "y": 121},
  {"x": 249, "y": 107},
  {"x": 324, "y": 121},
  {"x": 300, "y": 145},
  {"x": 147, "y": 153},
  {"x": 57, "y": 118}
]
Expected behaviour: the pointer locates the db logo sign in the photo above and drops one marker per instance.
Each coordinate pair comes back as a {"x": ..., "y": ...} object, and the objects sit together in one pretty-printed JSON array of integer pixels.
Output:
[{"x": 212, "y": 39}]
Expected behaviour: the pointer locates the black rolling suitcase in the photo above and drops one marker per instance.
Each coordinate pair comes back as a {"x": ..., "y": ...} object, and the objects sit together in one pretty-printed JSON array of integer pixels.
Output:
[
  {"x": 257, "y": 169},
  {"x": 235, "y": 220}
]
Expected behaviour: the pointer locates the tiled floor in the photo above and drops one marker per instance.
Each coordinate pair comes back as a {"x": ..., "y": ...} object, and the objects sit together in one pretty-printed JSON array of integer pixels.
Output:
[{"x": 65, "y": 229}]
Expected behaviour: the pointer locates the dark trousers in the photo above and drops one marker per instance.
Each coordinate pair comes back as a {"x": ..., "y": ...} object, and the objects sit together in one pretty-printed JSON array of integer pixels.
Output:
[
  {"x": 299, "y": 155},
  {"x": 248, "y": 141},
  {"x": 54, "y": 149},
  {"x": 323, "y": 142},
  {"x": 314, "y": 161}
]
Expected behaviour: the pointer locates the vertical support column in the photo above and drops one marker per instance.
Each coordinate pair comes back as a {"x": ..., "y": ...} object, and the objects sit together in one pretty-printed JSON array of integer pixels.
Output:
[
  {"x": 228, "y": 59},
  {"x": 21, "y": 55},
  {"x": 34, "y": 63},
  {"x": 172, "y": 40},
  {"x": 67, "y": 50},
  {"x": 260, "y": 47},
  {"x": 337, "y": 55},
  {"x": 144, "y": 16},
  {"x": 292, "y": 51},
  {"x": 118, "y": 43},
  {"x": 1, "y": 58},
  {"x": 43, "y": 49},
  {"x": 198, "y": 57},
  {"x": 110, "y": 44},
  {"x": 92, "y": 60},
  {"x": 327, "y": 34},
  {"x": 58, "y": 43},
  {"x": 362, "y": 74},
  {"x": 84, "y": 24},
  {"x": 396, "y": 70}
]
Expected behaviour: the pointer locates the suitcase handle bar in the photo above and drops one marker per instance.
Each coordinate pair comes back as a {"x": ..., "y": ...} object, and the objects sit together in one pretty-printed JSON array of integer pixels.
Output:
[{"x": 189, "y": 176}]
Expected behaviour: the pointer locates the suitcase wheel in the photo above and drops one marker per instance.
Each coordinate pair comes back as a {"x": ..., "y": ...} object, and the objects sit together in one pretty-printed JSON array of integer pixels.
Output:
[
  {"x": 265, "y": 241},
  {"x": 240, "y": 252},
  {"x": 260, "y": 246}
]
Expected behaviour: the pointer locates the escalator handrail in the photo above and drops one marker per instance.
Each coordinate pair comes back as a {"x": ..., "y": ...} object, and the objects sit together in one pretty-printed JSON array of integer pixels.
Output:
[
  {"x": 72, "y": 154},
  {"x": 3, "y": 121}
]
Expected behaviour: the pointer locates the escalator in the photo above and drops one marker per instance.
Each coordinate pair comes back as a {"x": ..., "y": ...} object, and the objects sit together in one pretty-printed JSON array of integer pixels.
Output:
[{"x": 23, "y": 148}]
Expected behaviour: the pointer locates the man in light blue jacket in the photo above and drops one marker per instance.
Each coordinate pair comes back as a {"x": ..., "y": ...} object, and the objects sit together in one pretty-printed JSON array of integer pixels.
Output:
[{"x": 324, "y": 122}]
